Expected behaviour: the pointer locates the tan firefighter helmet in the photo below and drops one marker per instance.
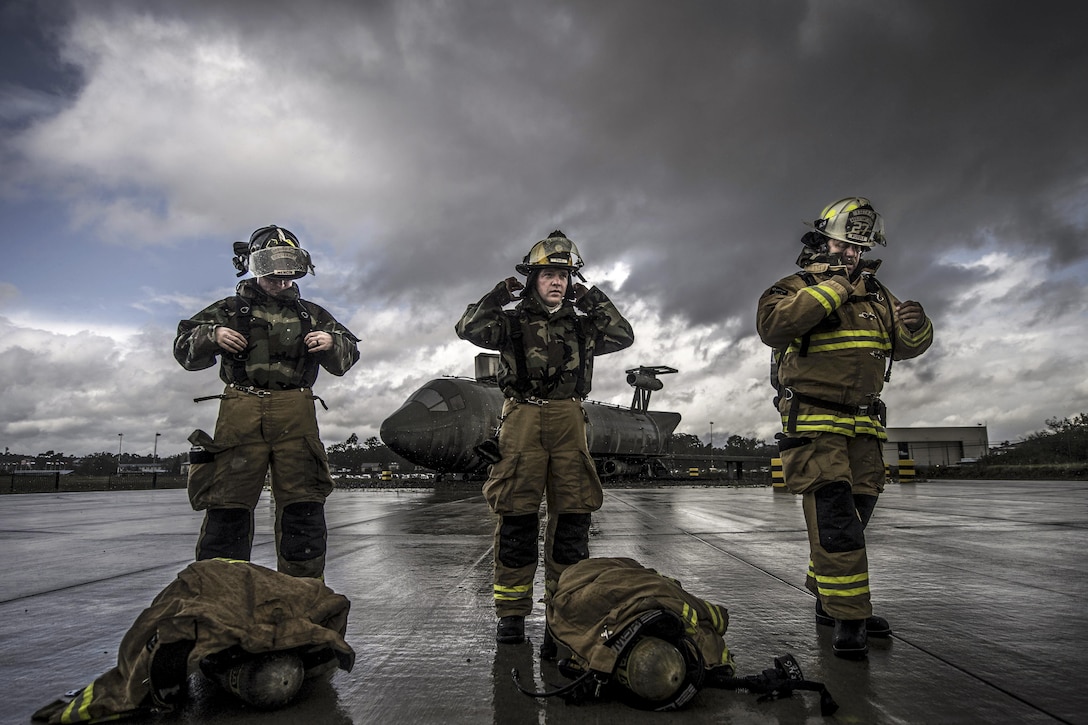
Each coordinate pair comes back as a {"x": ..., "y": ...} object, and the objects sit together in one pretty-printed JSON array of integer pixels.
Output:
[
  {"x": 265, "y": 681},
  {"x": 555, "y": 251},
  {"x": 852, "y": 220},
  {"x": 652, "y": 669}
]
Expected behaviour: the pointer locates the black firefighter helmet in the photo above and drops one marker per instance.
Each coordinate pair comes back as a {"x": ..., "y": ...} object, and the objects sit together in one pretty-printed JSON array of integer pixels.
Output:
[{"x": 272, "y": 251}]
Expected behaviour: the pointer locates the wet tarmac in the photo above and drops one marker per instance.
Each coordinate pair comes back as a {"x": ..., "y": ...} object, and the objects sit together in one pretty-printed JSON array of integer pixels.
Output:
[{"x": 984, "y": 584}]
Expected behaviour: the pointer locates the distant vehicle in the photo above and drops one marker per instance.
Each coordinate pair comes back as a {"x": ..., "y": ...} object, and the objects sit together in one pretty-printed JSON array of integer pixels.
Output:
[
  {"x": 440, "y": 425},
  {"x": 140, "y": 469}
]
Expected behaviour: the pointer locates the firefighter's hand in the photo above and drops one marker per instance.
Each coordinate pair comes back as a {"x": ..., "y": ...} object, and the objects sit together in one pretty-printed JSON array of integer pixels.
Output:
[
  {"x": 230, "y": 340},
  {"x": 512, "y": 286},
  {"x": 910, "y": 314},
  {"x": 317, "y": 341}
]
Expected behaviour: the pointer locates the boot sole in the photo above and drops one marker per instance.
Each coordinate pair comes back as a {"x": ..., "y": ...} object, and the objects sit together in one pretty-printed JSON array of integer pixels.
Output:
[{"x": 850, "y": 654}]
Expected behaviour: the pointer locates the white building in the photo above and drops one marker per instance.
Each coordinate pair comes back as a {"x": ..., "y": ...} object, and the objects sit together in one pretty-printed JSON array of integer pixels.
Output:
[{"x": 936, "y": 446}]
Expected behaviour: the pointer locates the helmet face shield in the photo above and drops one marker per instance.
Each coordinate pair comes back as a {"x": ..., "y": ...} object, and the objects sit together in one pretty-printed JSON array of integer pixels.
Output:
[
  {"x": 283, "y": 262},
  {"x": 275, "y": 252}
]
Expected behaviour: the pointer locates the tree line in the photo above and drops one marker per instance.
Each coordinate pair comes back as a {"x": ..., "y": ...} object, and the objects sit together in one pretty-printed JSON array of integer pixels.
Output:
[{"x": 1064, "y": 442}]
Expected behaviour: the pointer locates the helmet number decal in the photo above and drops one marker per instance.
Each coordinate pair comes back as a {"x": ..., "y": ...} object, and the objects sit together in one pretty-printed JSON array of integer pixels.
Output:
[{"x": 859, "y": 225}]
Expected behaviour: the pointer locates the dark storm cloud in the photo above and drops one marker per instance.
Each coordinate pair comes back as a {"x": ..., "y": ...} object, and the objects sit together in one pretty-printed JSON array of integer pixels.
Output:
[
  {"x": 692, "y": 139},
  {"x": 28, "y": 47},
  {"x": 420, "y": 148}
]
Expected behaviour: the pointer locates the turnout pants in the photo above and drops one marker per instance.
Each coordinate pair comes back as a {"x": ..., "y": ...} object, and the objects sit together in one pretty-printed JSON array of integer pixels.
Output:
[
  {"x": 273, "y": 435},
  {"x": 544, "y": 456},
  {"x": 839, "y": 478}
]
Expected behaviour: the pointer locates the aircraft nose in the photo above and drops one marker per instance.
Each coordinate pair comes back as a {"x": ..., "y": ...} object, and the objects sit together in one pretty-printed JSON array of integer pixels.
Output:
[{"x": 408, "y": 431}]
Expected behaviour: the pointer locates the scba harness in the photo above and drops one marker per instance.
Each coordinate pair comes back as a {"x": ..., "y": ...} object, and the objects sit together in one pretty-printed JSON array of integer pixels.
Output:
[
  {"x": 239, "y": 309},
  {"x": 524, "y": 383}
]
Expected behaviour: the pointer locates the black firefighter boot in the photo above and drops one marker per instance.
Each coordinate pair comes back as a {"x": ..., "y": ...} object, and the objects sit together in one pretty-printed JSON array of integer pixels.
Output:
[
  {"x": 875, "y": 626},
  {"x": 849, "y": 640},
  {"x": 510, "y": 629}
]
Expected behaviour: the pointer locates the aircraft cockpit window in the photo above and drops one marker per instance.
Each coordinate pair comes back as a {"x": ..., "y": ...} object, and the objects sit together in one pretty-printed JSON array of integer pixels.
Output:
[
  {"x": 431, "y": 399},
  {"x": 457, "y": 403}
]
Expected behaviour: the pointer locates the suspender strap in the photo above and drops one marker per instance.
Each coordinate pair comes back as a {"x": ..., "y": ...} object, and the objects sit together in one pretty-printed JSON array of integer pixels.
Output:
[
  {"x": 305, "y": 318},
  {"x": 580, "y": 384},
  {"x": 874, "y": 286},
  {"x": 517, "y": 337},
  {"x": 243, "y": 325},
  {"x": 807, "y": 337},
  {"x": 305, "y": 360},
  {"x": 524, "y": 383}
]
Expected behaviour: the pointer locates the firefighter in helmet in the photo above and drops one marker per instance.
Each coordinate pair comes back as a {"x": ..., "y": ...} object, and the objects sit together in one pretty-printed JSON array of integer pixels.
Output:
[
  {"x": 270, "y": 344},
  {"x": 547, "y": 344},
  {"x": 835, "y": 331}
]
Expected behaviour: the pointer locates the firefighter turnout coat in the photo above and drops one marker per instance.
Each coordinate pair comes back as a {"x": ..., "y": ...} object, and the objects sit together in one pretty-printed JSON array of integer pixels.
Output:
[
  {"x": 598, "y": 598},
  {"x": 833, "y": 342},
  {"x": 212, "y": 606}
]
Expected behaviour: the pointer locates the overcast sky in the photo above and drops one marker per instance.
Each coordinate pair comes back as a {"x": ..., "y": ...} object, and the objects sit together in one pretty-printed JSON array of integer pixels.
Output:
[{"x": 418, "y": 148}]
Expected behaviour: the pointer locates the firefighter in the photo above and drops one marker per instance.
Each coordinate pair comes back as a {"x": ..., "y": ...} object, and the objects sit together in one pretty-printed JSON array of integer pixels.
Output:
[
  {"x": 271, "y": 344},
  {"x": 547, "y": 344},
  {"x": 835, "y": 330}
]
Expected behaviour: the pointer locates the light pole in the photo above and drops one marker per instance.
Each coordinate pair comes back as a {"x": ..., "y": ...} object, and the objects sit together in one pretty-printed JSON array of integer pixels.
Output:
[
  {"x": 155, "y": 450},
  {"x": 120, "y": 440},
  {"x": 712, "y": 444}
]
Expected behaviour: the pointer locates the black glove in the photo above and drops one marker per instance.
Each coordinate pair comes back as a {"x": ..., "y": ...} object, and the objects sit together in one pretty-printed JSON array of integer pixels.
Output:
[{"x": 510, "y": 286}]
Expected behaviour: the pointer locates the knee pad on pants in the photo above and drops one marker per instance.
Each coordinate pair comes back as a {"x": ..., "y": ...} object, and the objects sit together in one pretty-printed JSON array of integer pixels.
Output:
[
  {"x": 571, "y": 542},
  {"x": 517, "y": 540},
  {"x": 865, "y": 504},
  {"x": 837, "y": 519},
  {"x": 302, "y": 531},
  {"x": 227, "y": 533}
]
